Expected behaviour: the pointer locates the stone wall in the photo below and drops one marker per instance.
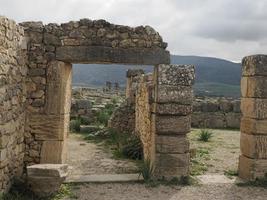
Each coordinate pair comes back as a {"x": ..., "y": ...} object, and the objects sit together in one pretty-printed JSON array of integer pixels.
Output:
[
  {"x": 253, "y": 141},
  {"x": 12, "y": 101},
  {"x": 123, "y": 118},
  {"x": 216, "y": 113}
]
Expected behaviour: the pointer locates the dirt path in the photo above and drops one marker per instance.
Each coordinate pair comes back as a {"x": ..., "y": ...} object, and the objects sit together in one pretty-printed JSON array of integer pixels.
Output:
[
  {"x": 87, "y": 158},
  {"x": 223, "y": 150},
  {"x": 142, "y": 192}
]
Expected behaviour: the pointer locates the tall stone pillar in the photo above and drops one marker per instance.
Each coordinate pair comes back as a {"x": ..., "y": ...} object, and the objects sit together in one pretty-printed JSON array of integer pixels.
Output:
[
  {"x": 171, "y": 119},
  {"x": 253, "y": 139}
]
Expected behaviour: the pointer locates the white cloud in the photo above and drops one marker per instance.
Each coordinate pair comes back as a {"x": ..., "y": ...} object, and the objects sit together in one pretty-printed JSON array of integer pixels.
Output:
[{"x": 227, "y": 29}]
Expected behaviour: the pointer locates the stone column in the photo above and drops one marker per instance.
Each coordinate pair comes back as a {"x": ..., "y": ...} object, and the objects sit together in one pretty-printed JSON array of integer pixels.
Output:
[
  {"x": 171, "y": 119},
  {"x": 253, "y": 140}
]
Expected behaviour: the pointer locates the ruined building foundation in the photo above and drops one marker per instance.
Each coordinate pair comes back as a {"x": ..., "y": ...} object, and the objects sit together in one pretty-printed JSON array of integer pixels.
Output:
[{"x": 35, "y": 93}]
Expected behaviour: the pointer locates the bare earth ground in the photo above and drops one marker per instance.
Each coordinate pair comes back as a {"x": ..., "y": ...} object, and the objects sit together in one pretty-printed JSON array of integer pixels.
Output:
[
  {"x": 223, "y": 150},
  {"x": 88, "y": 158},
  {"x": 132, "y": 191},
  {"x": 222, "y": 154}
]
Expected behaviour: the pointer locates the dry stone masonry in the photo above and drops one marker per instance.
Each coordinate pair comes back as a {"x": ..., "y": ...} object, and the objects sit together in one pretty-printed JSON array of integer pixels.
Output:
[
  {"x": 13, "y": 73},
  {"x": 216, "y": 113},
  {"x": 253, "y": 141}
]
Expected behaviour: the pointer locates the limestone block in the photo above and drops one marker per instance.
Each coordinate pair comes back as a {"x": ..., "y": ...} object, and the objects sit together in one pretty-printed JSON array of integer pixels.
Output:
[
  {"x": 253, "y": 126},
  {"x": 98, "y": 54},
  {"x": 172, "y": 124},
  {"x": 46, "y": 179},
  {"x": 53, "y": 152},
  {"x": 254, "y": 108},
  {"x": 50, "y": 39},
  {"x": 49, "y": 127},
  {"x": 174, "y": 94},
  {"x": 255, "y": 65},
  {"x": 58, "y": 98},
  {"x": 232, "y": 120},
  {"x": 254, "y": 146},
  {"x": 172, "y": 109},
  {"x": 171, "y": 165},
  {"x": 175, "y": 75},
  {"x": 172, "y": 144},
  {"x": 250, "y": 169},
  {"x": 236, "y": 106},
  {"x": 208, "y": 120},
  {"x": 226, "y": 106},
  {"x": 254, "y": 87}
]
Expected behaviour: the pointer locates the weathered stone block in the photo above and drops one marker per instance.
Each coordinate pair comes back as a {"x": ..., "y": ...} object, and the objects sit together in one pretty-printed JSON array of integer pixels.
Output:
[
  {"x": 254, "y": 146},
  {"x": 58, "y": 98},
  {"x": 171, "y": 165},
  {"x": 232, "y": 120},
  {"x": 172, "y": 124},
  {"x": 45, "y": 179},
  {"x": 175, "y": 75},
  {"x": 254, "y": 87},
  {"x": 254, "y": 108},
  {"x": 255, "y": 65},
  {"x": 53, "y": 152},
  {"x": 172, "y": 109},
  {"x": 172, "y": 144},
  {"x": 98, "y": 54},
  {"x": 134, "y": 72},
  {"x": 250, "y": 169},
  {"x": 49, "y": 127},
  {"x": 174, "y": 94},
  {"x": 253, "y": 126}
]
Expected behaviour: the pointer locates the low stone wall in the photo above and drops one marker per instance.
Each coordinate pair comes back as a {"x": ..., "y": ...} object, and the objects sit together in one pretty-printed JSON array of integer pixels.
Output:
[
  {"x": 12, "y": 102},
  {"x": 216, "y": 113},
  {"x": 81, "y": 108}
]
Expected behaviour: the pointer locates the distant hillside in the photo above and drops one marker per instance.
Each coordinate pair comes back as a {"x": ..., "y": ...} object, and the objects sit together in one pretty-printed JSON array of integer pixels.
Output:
[{"x": 213, "y": 76}]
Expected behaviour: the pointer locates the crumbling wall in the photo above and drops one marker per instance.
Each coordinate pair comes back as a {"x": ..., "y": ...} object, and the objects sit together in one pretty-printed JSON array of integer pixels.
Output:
[
  {"x": 143, "y": 111},
  {"x": 12, "y": 101},
  {"x": 216, "y": 113},
  {"x": 123, "y": 118}
]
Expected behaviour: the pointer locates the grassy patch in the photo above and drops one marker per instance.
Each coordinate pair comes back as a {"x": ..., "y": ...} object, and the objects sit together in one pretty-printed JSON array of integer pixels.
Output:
[{"x": 198, "y": 164}]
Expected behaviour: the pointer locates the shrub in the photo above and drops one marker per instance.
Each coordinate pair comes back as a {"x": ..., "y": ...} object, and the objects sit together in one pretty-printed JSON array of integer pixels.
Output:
[
  {"x": 75, "y": 125},
  {"x": 205, "y": 135},
  {"x": 133, "y": 148}
]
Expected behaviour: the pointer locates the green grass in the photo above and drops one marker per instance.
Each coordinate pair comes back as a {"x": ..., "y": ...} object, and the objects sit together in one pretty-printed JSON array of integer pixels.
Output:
[{"x": 198, "y": 164}]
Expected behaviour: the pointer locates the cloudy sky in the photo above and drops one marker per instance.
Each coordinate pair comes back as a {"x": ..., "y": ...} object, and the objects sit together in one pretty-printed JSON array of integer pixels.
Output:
[{"x": 228, "y": 29}]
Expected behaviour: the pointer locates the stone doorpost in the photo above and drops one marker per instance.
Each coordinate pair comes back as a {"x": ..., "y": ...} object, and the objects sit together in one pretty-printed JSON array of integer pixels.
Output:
[
  {"x": 171, "y": 119},
  {"x": 253, "y": 139}
]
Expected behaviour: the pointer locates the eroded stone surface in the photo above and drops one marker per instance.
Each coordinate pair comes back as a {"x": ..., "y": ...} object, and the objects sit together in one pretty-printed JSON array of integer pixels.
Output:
[{"x": 46, "y": 179}]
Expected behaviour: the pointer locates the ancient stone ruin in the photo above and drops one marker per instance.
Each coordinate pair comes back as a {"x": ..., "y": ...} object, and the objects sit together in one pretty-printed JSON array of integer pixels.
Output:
[{"x": 35, "y": 95}]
